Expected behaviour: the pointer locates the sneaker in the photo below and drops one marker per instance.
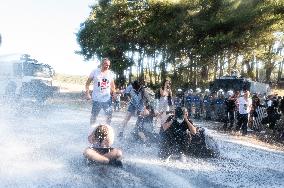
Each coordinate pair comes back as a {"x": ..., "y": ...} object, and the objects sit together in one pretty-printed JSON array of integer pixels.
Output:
[{"x": 249, "y": 129}]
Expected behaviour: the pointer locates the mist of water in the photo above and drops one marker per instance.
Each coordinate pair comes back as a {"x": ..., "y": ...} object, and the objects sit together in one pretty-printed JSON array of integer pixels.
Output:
[{"x": 41, "y": 146}]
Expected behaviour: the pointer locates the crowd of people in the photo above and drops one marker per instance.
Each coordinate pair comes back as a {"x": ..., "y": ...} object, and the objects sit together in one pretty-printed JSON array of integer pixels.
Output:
[
  {"x": 174, "y": 111},
  {"x": 236, "y": 109}
]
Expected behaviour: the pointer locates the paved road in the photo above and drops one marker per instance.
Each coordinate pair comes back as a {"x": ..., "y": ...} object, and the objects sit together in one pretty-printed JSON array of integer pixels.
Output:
[{"x": 42, "y": 147}]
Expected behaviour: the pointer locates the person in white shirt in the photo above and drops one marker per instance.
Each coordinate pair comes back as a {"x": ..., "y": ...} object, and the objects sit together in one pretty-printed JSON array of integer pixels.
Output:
[
  {"x": 103, "y": 89},
  {"x": 244, "y": 104}
]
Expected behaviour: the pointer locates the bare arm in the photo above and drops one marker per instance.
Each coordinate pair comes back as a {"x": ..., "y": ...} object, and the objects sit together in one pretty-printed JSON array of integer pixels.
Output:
[
  {"x": 170, "y": 93},
  {"x": 191, "y": 127},
  {"x": 87, "y": 85},
  {"x": 95, "y": 156},
  {"x": 167, "y": 125},
  {"x": 112, "y": 87},
  {"x": 162, "y": 93}
]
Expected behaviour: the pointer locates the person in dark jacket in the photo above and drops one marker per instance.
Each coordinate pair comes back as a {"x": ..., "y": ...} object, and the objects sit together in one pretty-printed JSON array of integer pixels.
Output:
[
  {"x": 230, "y": 107},
  {"x": 175, "y": 134}
]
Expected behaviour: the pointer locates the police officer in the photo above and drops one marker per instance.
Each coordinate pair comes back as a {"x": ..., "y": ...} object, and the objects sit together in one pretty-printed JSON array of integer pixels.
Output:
[
  {"x": 230, "y": 106},
  {"x": 188, "y": 101},
  {"x": 197, "y": 103},
  {"x": 219, "y": 106},
  {"x": 206, "y": 104}
]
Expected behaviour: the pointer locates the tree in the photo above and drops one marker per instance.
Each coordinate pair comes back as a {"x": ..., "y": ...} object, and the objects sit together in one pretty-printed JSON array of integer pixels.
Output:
[{"x": 195, "y": 38}]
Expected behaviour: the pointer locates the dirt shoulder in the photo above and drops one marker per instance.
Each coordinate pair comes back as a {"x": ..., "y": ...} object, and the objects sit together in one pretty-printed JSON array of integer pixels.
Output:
[{"x": 65, "y": 87}]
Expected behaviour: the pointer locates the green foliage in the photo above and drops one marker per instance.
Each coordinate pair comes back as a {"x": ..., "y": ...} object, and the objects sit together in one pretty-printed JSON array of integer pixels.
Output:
[{"x": 199, "y": 32}]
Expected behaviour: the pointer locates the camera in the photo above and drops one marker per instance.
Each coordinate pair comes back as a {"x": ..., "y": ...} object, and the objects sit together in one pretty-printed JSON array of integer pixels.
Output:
[{"x": 179, "y": 113}]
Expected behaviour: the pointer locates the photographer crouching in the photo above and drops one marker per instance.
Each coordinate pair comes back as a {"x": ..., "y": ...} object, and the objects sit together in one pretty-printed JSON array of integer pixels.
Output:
[{"x": 176, "y": 135}]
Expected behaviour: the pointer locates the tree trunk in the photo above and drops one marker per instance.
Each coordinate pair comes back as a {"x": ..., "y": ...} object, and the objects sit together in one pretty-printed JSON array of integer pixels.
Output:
[
  {"x": 268, "y": 71},
  {"x": 215, "y": 68},
  {"x": 279, "y": 76},
  {"x": 256, "y": 69},
  {"x": 204, "y": 72},
  {"x": 249, "y": 67},
  {"x": 229, "y": 69}
]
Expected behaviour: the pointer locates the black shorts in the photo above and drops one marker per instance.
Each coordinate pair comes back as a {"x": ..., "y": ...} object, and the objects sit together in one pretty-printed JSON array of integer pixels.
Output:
[{"x": 102, "y": 151}]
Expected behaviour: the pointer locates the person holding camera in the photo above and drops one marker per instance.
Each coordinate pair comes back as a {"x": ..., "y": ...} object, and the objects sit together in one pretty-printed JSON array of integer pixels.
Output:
[{"x": 176, "y": 134}]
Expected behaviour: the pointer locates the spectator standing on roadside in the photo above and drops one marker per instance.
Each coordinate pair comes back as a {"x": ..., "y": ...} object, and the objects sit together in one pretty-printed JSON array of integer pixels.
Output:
[
  {"x": 244, "y": 105},
  {"x": 165, "y": 101},
  {"x": 103, "y": 89}
]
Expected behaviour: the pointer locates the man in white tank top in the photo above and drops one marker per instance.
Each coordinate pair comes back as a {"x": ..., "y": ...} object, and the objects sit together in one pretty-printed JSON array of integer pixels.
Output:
[
  {"x": 103, "y": 89},
  {"x": 244, "y": 104}
]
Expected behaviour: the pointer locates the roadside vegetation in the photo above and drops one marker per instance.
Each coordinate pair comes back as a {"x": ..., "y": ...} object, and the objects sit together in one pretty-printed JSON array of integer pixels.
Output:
[{"x": 191, "y": 41}]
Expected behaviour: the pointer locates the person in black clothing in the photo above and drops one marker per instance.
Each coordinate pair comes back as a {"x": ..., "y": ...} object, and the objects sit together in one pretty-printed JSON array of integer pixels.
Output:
[
  {"x": 230, "y": 105},
  {"x": 176, "y": 134},
  {"x": 272, "y": 114},
  {"x": 281, "y": 105}
]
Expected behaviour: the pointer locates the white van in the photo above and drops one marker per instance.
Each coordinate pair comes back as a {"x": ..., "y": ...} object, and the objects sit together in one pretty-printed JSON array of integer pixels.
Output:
[{"x": 21, "y": 76}]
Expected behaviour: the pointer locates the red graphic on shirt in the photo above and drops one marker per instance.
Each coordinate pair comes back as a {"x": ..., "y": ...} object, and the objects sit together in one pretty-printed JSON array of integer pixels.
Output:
[{"x": 104, "y": 84}]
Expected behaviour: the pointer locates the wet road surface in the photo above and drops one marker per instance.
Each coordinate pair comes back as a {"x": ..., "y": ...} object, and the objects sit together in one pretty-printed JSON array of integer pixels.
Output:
[{"x": 41, "y": 146}]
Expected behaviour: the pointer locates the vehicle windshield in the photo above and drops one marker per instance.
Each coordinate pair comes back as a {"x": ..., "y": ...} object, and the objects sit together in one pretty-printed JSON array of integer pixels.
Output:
[{"x": 37, "y": 70}]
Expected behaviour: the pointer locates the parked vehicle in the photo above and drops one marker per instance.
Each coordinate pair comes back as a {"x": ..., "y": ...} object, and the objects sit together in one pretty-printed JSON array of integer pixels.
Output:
[
  {"x": 23, "y": 77},
  {"x": 234, "y": 83}
]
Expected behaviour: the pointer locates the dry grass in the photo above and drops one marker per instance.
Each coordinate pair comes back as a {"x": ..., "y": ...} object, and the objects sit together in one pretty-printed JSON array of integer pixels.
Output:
[
  {"x": 280, "y": 92},
  {"x": 69, "y": 83}
]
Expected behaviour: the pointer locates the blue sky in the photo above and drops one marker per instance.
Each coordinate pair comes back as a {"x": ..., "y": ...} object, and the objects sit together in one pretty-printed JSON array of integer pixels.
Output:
[{"x": 45, "y": 29}]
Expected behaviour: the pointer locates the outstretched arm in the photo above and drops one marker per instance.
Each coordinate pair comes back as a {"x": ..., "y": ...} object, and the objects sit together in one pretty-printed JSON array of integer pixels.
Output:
[
  {"x": 87, "y": 85},
  {"x": 112, "y": 87},
  {"x": 167, "y": 124}
]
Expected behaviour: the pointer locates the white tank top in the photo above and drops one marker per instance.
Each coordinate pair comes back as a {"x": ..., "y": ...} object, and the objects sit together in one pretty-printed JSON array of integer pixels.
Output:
[{"x": 244, "y": 106}]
